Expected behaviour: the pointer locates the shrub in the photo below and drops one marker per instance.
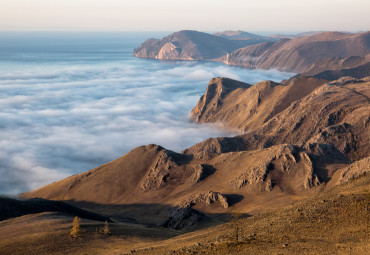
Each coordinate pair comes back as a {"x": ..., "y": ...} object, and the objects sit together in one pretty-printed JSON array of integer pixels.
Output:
[
  {"x": 76, "y": 228},
  {"x": 106, "y": 230}
]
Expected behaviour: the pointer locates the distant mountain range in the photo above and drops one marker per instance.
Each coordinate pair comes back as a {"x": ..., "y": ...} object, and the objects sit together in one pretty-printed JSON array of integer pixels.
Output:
[{"x": 295, "y": 54}]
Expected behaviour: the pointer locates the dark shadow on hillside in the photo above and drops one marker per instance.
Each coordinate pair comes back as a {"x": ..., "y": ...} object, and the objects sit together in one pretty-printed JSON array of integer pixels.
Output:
[
  {"x": 233, "y": 199},
  {"x": 153, "y": 215},
  {"x": 11, "y": 208}
]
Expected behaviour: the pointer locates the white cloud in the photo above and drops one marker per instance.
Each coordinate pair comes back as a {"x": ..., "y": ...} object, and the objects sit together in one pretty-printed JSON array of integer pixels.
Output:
[{"x": 59, "y": 121}]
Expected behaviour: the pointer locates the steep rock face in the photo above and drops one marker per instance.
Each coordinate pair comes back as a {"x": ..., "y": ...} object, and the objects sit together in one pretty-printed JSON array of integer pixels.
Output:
[
  {"x": 287, "y": 168},
  {"x": 272, "y": 170},
  {"x": 212, "y": 100},
  {"x": 353, "y": 171},
  {"x": 299, "y": 54},
  {"x": 187, "y": 45},
  {"x": 206, "y": 198},
  {"x": 181, "y": 218},
  {"x": 244, "y": 107},
  {"x": 159, "y": 172},
  {"x": 333, "y": 113}
]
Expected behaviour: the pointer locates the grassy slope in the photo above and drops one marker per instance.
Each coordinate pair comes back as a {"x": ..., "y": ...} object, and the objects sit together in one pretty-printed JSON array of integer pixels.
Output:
[{"x": 334, "y": 222}]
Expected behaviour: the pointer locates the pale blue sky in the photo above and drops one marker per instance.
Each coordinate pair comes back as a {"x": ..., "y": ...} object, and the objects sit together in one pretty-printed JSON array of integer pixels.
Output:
[{"x": 166, "y": 15}]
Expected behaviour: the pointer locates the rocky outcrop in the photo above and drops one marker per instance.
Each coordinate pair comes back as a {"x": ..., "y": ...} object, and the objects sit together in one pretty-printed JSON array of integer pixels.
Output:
[
  {"x": 181, "y": 218},
  {"x": 353, "y": 171},
  {"x": 288, "y": 168},
  {"x": 159, "y": 172},
  {"x": 244, "y": 107},
  {"x": 206, "y": 198},
  {"x": 212, "y": 101}
]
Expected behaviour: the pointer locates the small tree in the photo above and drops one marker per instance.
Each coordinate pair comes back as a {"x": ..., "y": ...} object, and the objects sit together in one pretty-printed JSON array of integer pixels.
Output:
[
  {"x": 235, "y": 222},
  {"x": 106, "y": 230},
  {"x": 76, "y": 228}
]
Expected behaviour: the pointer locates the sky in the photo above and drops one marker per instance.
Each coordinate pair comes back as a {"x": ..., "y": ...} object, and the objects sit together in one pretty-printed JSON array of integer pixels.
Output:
[{"x": 167, "y": 15}]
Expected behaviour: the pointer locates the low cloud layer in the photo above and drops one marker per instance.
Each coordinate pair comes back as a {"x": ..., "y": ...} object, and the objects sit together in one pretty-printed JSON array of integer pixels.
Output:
[{"x": 60, "y": 120}]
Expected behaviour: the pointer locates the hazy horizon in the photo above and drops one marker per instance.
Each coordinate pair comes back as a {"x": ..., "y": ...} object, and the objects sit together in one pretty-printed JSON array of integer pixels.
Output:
[{"x": 166, "y": 15}]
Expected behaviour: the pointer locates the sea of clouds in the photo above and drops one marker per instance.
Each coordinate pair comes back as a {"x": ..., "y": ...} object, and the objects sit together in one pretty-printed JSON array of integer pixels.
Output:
[{"x": 58, "y": 120}]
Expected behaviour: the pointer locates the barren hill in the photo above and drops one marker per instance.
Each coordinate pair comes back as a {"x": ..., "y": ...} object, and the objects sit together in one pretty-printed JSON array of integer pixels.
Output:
[
  {"x": 245, "y": 36},
  {"x": 336, "y": 112},
  {"x": 299, "y": 54},
  {"x": 309, "y": 52},
  {"x": 245, "y": 107},
  {"x": 188, "y": 45},
  {"x": 336, "y": 221},
  {"x": 338, "y": 64}
]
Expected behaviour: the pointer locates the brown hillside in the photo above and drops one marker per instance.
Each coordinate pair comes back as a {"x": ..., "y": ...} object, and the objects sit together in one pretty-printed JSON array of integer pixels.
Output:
[
  {"x": 337, "y": 113},
  {"x": 152, "y": 176},
  {"x": 299, "y": 54},
  {"x": 335, "y": 222},
  {"x": 289, "y": 157},
  {"x": 332, "y": 64},
  {"x": 244, "y": 107}
]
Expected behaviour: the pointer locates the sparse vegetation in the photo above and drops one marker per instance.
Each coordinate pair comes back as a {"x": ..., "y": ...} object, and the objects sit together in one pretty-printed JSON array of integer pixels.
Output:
[
  {"x": 236, "y": 225},
  {"x": 105, "y": 230},
  {"x": 76, "y": 228}
]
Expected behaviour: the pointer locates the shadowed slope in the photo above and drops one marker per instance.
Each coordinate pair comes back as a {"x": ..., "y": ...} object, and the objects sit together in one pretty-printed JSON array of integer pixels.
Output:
[{"x": 10, "y": 208}]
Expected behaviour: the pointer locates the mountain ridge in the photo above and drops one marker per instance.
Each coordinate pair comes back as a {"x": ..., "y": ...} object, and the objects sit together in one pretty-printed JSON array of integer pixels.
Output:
[{"x": 296, "y": 54}]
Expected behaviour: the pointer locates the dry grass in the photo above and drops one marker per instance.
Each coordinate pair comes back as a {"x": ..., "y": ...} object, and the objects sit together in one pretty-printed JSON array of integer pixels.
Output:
[{"x": 334, "y": 222}]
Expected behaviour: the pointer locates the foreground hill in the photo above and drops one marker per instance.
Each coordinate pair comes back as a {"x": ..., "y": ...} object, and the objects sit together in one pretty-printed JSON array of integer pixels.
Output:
[{"x": 334, "y": 222}]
